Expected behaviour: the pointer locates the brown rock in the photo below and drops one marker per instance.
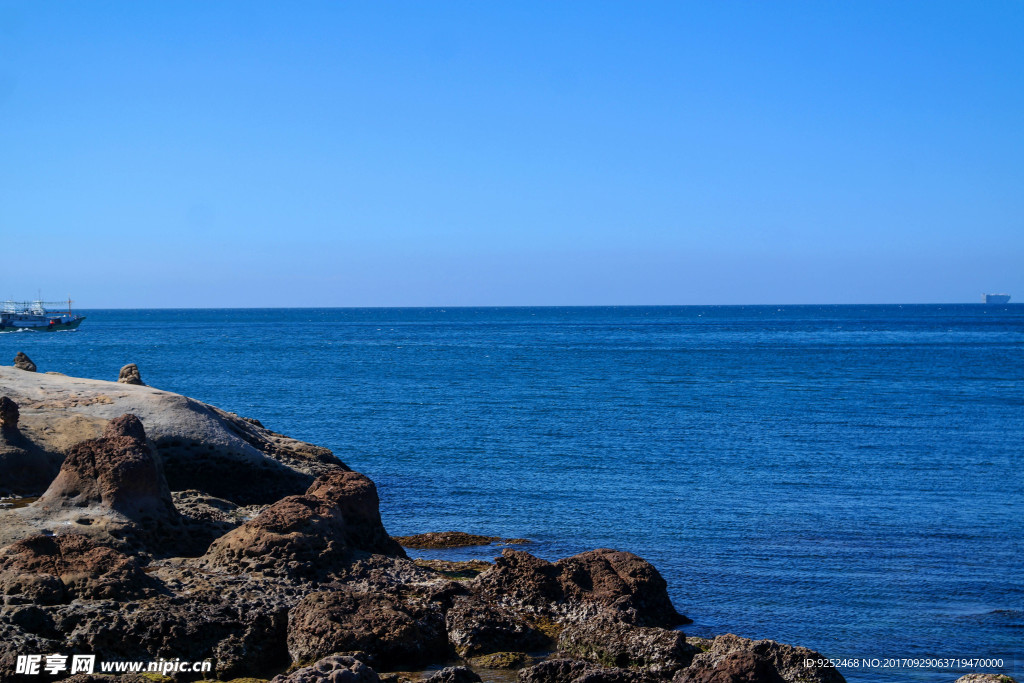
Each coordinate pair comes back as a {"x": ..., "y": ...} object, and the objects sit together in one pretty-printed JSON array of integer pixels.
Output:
[
  {"x": 607, "y": 641},
  {"x": 735, "y": 667},
  {"x": 116, "y": 472},
  {"x": 51, "y": 570},
  {"x": 582, "y": 585},
  {"x": 23, "y": 362},
  {"x": 8, "y": 414},
  {"x": 787, "y": 660},
  {"x": 308, "y": 537},
  {"x": 396, "y": 629},
  {"x": 130, "y": 375}
]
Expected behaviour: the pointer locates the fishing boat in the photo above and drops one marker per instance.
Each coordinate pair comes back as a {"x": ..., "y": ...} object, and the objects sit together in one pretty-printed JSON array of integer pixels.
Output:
[{"x": 32, "y": 315}]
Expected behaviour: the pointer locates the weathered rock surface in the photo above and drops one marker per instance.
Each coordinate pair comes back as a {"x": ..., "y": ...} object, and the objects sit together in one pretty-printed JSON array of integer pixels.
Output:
[
  {"x": 581, "y": 586},
  {"x": 23, "y": 362},
  {"x": 478, "y": 628},
  {"x": 985, "y": 678},
  {"x": 310, "y": 536},
  {"x": 113, "y": 489},
  {"x": 48, "y": 570},
  {"x": 576, "y": 671},
  {"x": 396, "y": 628},
  {"x": 130, "y": 375},
  {"x": 611, "y": 643},
  {"x": 201, "y": 447},
  {"x": 24, "y": 467},
  {"x": 723, "y": 654},
  {"x": 335, "y": 669}
]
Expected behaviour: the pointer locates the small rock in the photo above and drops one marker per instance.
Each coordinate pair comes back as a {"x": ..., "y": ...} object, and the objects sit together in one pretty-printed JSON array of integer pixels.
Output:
[
  {"x": 605, "y": 640},
  {"x": 453, "y": 674},
  {"x": 130, "y": 375},
  {"x": 985, "y": 678},
  {"x": 23, "y": 362},
  {"x": 437, "y": 540},
  {"x": 334, "y": 669},
  {"x": 8, "y": 414},
  {"x": 735, "y": 667}
]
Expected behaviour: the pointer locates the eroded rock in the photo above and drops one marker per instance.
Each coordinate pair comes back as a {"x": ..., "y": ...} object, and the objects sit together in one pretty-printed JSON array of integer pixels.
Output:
[
  {"x": 396, "y": 628},
  {"x": 49, "y": 570},
  {"x": 723, "y": 654},
  {"x": 130, "y": 375},
  {"x": 334, "y": 669},
  {"x": 23, "y": 362},
  {"x": 611, "y": 643}
]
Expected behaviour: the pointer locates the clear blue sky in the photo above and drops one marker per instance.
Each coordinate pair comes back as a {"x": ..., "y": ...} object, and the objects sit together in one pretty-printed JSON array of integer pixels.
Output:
[{"x": 502, "y": 153}]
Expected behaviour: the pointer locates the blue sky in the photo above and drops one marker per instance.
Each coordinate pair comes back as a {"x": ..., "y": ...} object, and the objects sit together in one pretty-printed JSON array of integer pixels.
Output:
[{"x": 185, "y": 154}]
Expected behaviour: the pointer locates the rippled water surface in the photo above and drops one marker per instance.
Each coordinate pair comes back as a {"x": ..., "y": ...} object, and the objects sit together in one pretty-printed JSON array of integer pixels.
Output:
[{"x": 843, "y": 477}]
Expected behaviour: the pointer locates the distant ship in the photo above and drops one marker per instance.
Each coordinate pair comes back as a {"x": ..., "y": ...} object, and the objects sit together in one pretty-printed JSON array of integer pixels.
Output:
[
  {"x": 995, "y": 298},
  {"x": 32, "y": 315}
]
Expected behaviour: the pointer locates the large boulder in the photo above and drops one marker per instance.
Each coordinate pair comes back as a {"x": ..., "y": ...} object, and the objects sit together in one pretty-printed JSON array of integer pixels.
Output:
[
  {"x": 23, "y": 362},
  {"x": 477, "y": 628},
  {"x": 735, "y": 667},
  {"x": 116, "y": 472},
  {"x": 396, "y": 628},
  {"x": 610, "y": 642},
  {"x": 311, "y": 536},
  {"x": 200, "y": 446},
  {"x": 731, "y": 653},
  {"x": 581, "y": 586},
  {"x": 49, "y": 570}
]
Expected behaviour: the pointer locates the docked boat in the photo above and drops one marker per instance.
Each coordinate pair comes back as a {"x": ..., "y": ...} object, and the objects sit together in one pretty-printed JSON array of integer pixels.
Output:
[
  {"x": 32, "y": 315},
  {"x": 995, "y": 298}
]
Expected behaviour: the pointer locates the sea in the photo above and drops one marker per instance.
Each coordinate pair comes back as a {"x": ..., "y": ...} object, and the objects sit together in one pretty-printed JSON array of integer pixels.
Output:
[{"x": 847, "y": 478}]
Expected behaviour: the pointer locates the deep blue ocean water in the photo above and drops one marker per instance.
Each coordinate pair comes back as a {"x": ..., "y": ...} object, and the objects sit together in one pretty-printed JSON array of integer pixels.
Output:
[{"x": 847, "y": 478}]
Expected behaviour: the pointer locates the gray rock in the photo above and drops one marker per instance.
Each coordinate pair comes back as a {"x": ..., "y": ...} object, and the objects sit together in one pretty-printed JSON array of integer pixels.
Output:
[
  {"x": 453, "y": 674},
  {"x": 23, "y": 362},
  {"x": 334, "y": 669},
  {"x": 610, "y": 642}
]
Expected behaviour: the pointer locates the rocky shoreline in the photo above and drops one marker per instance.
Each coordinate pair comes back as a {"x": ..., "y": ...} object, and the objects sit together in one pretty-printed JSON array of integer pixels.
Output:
[{"x": 166, "y": 528}]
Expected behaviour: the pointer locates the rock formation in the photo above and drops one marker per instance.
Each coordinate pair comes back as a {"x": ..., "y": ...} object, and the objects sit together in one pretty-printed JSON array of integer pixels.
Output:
[
  {"x": 130, "y": 375},
  {"x": 23, "y": 362},
  {"x": 171, "y": 529}
]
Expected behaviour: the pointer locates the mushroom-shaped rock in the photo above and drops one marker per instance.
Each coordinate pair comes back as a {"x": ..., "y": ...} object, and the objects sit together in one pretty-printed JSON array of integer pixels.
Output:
[
  {"x": 51, "y": 570},
  {"x": 8, "y": 414},
  {"x": 130, "y": 375},
  {"x": 310, "y": 536},
  {"x": 23, "y": 362},
  {"x": 395, "y": 629}
]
